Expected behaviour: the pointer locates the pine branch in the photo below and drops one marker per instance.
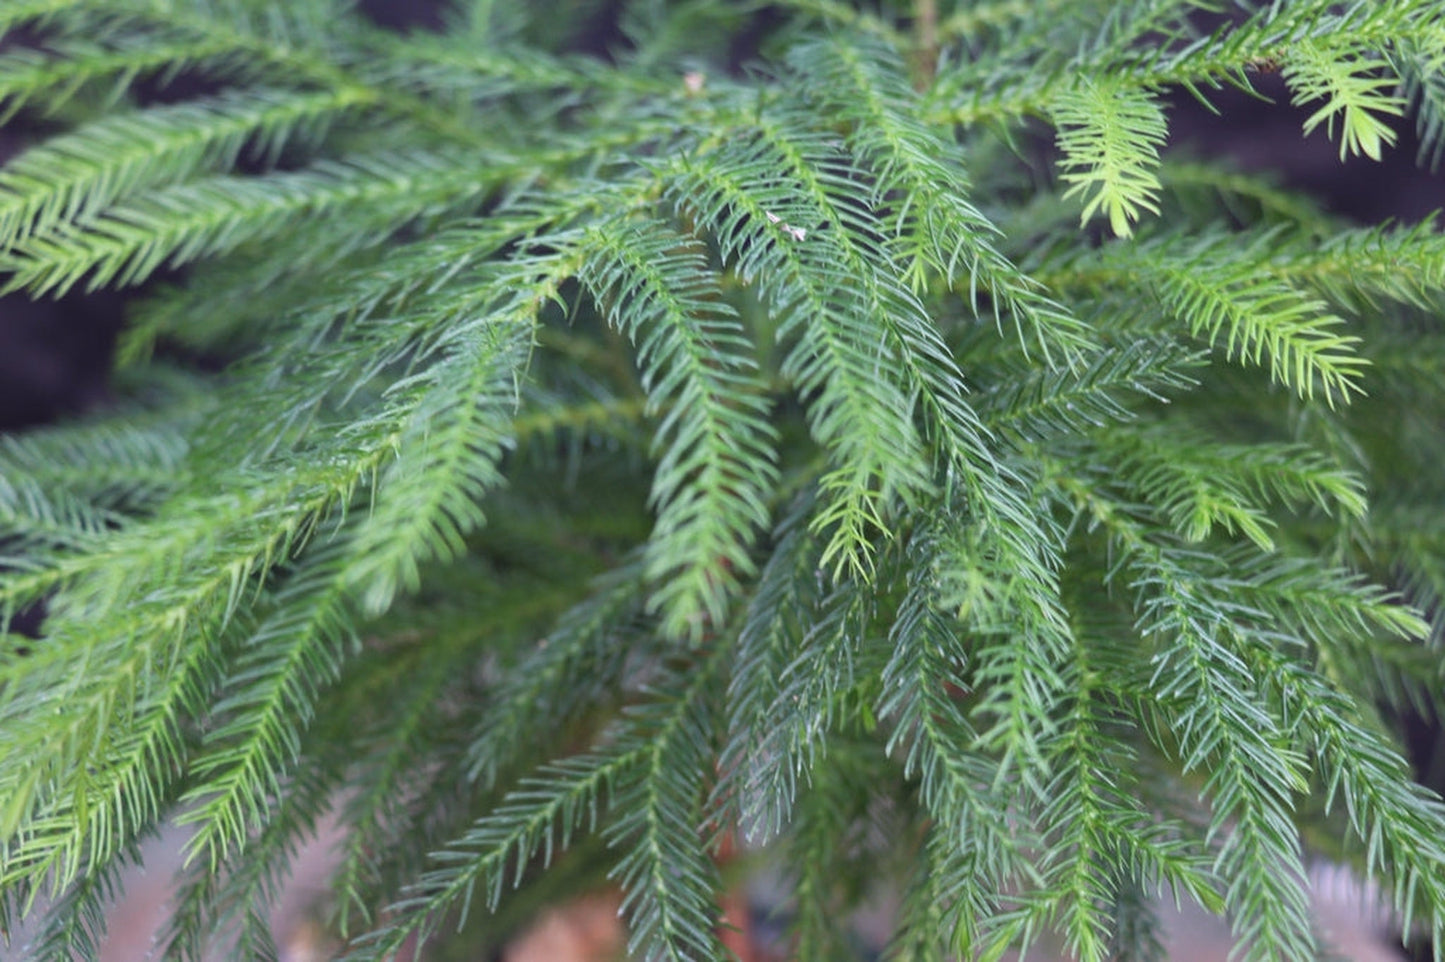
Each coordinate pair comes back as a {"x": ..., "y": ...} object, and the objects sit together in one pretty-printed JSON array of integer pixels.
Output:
[
  {"x": 186, "y": 222},
  {"x": 1225, "y": 488},
  {"x": 669, "y": 879},
  {"x": 785, "y": 599},
  {"x": 541, "y": 815},
  {"x": 78, "y": 69},
  {"x": 1101, "y": 839},
  {"x": 941, "y": 232},
  {"x": 716, "y": 465},
  {"x": 453, "y": 439},
  {"x": 768, "y": 444},
  {"x": 963, "y": 789},
  {"x": 583, "y": 656},
  {"x": 812, "y": 698},
  {"x": 1251, "y": 315},
  {"x": 74, "y": 176},
  {"x": 267, "y": 701},
  {"x": 78, "y": 922},
  {"x": 1216, "y": 714},
  {"x": 1423, "y": 91},
  {"x": 1355, "y": 94},
  {"x": 390, "y": 772},
  {"x": 1110, "y": 135},
  {"x": 30, "y": 12},
  {"x": 1033, "y": 405},
  {"x": 219, "y": 911},
  {"x": 865, "y": 420}
]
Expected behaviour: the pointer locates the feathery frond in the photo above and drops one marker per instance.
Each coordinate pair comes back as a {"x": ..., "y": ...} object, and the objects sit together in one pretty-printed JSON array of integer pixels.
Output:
[{"x": 1110, "y": 135}]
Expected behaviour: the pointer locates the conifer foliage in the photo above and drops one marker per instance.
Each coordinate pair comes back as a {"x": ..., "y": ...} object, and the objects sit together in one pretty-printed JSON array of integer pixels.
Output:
[{"x": 520, "y": 448}]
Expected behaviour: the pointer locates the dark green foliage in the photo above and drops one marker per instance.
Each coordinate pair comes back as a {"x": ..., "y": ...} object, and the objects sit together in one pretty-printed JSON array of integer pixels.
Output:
[{"x": 640, "y": 450}]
